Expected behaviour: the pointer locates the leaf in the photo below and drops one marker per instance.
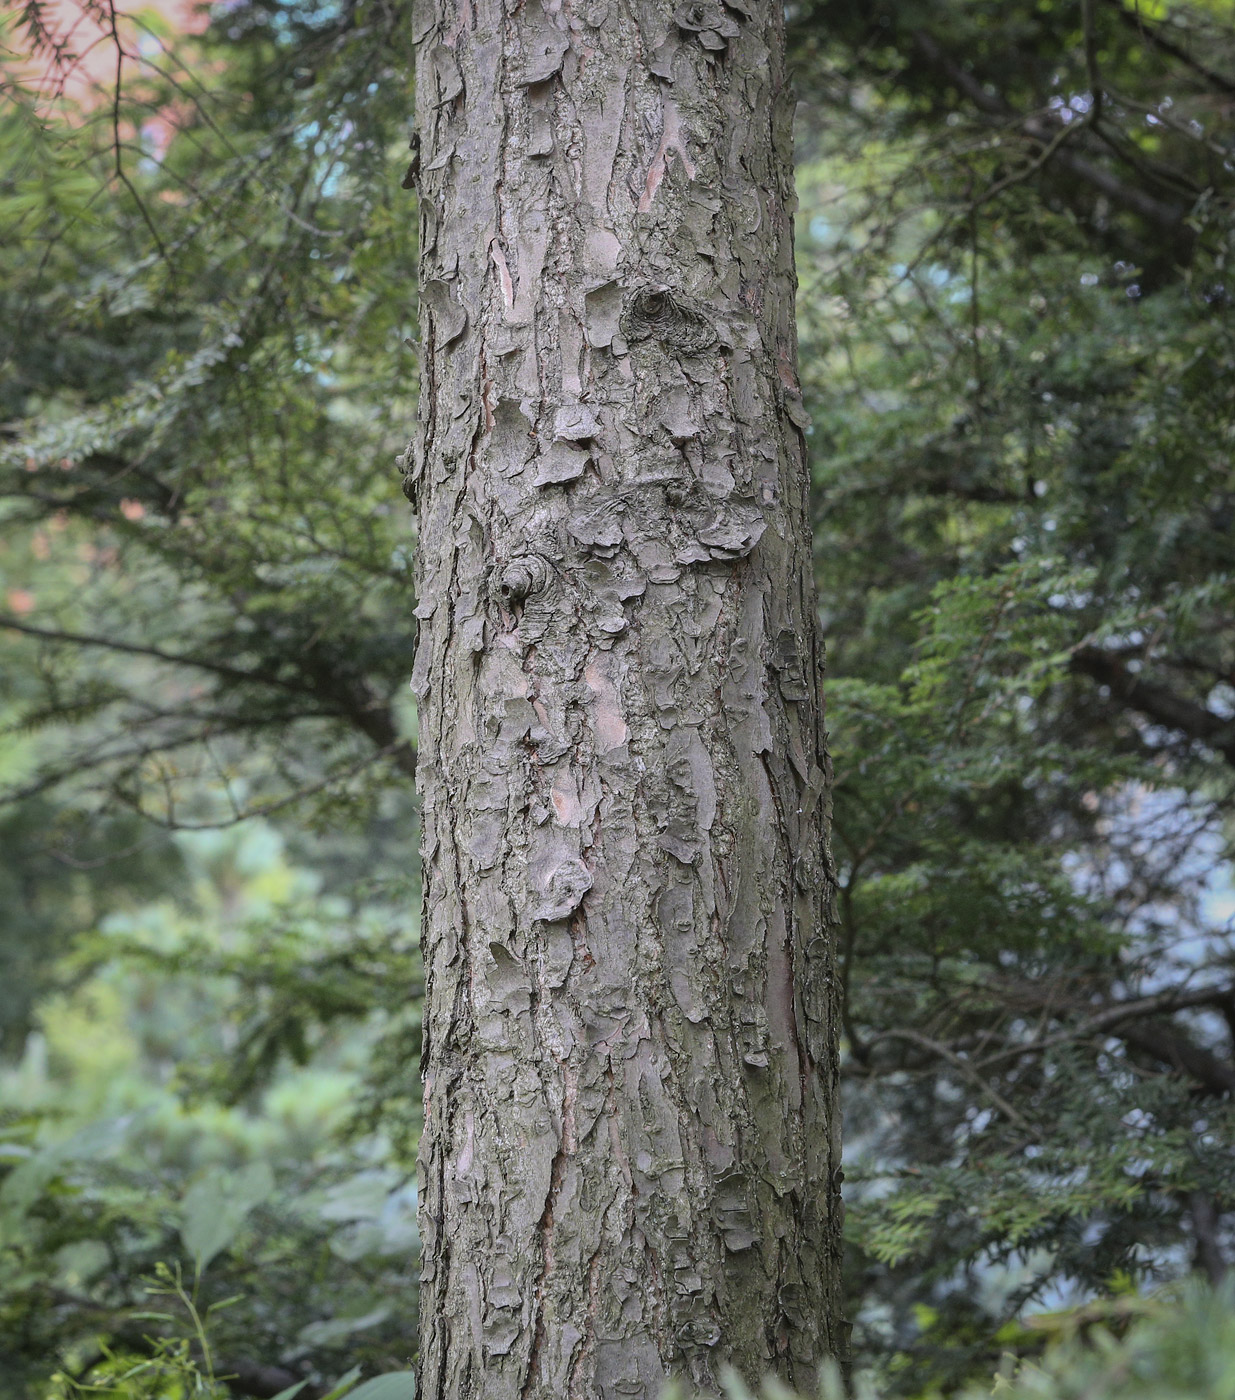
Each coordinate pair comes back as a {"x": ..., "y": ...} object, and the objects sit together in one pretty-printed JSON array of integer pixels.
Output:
[
  {"x": 341, "y": 1389},
  {"x": 292, "y": 1391},
  {"x": 333, "y": 1330},
  {"x": 215, "y": 1207},
  {"x": 362, "y": 1197},
  {"x": 395, "y": 1385},
  {"x": 26, "y": 1183}
]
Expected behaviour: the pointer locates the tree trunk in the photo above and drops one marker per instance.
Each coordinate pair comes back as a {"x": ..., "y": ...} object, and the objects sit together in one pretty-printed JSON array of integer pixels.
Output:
[{"x": 629, "y": 1163}]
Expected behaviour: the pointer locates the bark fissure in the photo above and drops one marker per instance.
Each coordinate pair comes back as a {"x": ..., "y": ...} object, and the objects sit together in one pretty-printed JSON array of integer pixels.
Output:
[{"x": 630, "y": 1074}]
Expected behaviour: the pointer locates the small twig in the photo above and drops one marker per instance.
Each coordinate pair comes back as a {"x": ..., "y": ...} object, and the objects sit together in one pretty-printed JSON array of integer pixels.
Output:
[
  {"x": 964, "y": 1067},
  {"x": 265, "y": 809},
  {"x": 219, "y": 668},
  {"x": 1091, "y": 59},
  {"x": 1110, "y": 1017},
  {"x": 121, "y": 55},
  {"x": 1152, "y": 34}
]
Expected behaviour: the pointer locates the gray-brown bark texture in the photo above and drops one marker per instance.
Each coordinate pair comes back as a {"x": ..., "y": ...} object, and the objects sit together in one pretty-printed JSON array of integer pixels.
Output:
[{"x": 631, "y": 1132}]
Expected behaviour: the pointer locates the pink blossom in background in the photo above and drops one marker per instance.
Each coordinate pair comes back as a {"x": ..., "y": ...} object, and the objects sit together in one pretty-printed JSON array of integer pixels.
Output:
[{"x": 86, "y": 75}]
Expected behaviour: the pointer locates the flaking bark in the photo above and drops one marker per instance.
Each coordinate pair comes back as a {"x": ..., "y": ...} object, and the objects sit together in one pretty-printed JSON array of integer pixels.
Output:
[{"x": 629, "y": 1164}]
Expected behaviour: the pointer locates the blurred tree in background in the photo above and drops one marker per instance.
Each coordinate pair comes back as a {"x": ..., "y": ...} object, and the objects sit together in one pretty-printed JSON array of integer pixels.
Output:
[
  {"x": 211, "y": 977},
  {"x": 1015, "y": 295},
  {"x": 1019, "y": 352}
]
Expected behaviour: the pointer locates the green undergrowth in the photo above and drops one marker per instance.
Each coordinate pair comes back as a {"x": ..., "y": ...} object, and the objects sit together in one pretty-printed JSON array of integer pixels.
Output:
[{"x": 1177, "y": 1345}]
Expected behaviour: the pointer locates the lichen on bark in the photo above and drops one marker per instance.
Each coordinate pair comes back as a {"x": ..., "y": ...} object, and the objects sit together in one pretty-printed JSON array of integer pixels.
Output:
[{"x": 631, "y": 1129}]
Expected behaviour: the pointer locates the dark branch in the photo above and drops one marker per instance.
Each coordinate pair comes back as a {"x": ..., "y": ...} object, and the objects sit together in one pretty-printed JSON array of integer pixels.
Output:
[
  {"x": 1156, "y": 702},
  {"x": 1171, "y": 1047},
  {"x": 1206, "y": 1228},
  {"x": 1153, "y": 35},
  {"x": 1136, "y": 1021},
  {"x": 1169, "y": 217},
  {"x": 354, "y": 700},
  {"x": 263, "y": 1382},
  {"x": 218, "y": 668}
]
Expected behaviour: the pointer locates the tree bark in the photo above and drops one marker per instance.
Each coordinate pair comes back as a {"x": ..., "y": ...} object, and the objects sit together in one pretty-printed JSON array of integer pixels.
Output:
[{"x": 631, "y": 1146}]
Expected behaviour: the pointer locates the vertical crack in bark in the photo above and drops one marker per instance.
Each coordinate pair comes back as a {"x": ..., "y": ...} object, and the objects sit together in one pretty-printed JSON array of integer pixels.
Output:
[
  {"x": 576, "y": 1388},
  {"x": 545, "y": 1231}
]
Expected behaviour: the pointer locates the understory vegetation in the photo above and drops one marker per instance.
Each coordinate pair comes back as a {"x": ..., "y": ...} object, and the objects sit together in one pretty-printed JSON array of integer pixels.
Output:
[{"x": 1015, "y": 249}]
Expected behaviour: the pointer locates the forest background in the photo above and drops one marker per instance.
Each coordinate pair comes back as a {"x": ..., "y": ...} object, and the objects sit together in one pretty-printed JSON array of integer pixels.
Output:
[{"x": 1019, "y": 356}]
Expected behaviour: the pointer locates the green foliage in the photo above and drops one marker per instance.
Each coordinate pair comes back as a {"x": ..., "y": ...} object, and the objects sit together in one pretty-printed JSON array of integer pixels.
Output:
[
  {"x": 1162, "y": 1348},
  {"x": 204, "y": 578},
  {"x": 400, "y": 1386},
  {"x": 278, "y": 1202},
  {"x": 215, "y": 1207},
  {"x": 1182, "y": 1351},
  {"x": 207, "y": 425},
  {"x": 185, "y": 1367},
  {"x": 1018, "y": 354}
]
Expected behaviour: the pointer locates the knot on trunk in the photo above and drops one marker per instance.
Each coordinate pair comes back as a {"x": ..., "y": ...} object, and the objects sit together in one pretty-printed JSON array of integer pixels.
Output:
[
  {"x": 528, "y": 574},
  {"x": 656, "y": 313}
]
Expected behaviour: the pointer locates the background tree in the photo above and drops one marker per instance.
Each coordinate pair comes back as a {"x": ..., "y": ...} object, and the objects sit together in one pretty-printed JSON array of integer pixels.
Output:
[
  {"x": 191, "y": 638},
  {"x": 1018, "y": 349}
]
